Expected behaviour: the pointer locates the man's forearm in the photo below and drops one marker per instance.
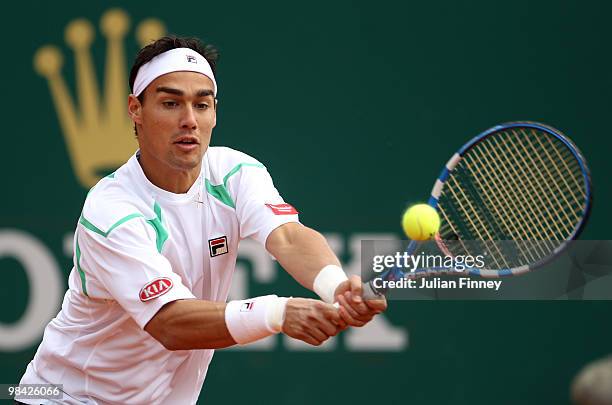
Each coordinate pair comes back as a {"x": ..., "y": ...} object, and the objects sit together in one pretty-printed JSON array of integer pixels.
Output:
[
  {"x": 305, "y": 254},
  {"x": 198, "y": 324},
  {"x": 301, "y": 251},
  {"x": 191, "y": 324}
]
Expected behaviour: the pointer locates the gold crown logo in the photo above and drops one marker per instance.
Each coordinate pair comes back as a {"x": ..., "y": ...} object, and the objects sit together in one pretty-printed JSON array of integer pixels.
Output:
[{"x": 99, "y": 136}]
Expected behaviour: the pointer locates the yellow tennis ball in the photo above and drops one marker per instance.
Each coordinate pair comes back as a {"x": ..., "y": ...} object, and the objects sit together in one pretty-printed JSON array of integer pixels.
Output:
[{"x": 421, "y": 222}]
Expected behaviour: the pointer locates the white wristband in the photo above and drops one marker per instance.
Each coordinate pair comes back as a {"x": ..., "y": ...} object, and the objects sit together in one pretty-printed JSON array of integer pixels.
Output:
[
  {"x": 255, "y": 318},
  {"x": 327, "y": 281}
]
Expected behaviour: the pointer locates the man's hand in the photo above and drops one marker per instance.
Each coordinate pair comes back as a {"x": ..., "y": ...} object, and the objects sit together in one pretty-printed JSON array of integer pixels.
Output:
[
  {"x": 354, "y": 310},
  {"x": 311, "y": 321}
]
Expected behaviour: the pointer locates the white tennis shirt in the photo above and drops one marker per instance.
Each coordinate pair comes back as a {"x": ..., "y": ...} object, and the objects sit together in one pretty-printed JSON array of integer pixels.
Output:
[{"x": 138, "y": 247}]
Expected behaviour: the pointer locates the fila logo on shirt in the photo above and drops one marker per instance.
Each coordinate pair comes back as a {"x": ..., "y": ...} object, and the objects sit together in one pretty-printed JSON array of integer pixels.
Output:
[
  {"x": 282, "y": 209},
  {"x": 155, "y": 288},
  {"x": 247, "y": 306},
  {"x": 218, "y": 246}
]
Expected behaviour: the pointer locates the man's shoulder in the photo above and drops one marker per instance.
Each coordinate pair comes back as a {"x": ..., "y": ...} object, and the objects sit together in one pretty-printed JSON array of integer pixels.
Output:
[
  {"x": 223, "y": 162},
  {"x": 109, "y": 203},
  {"x": 224, "y": 157}
]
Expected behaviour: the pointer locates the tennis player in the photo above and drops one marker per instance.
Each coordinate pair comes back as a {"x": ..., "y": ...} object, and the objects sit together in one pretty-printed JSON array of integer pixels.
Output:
[{"x": 156, "y": 246}]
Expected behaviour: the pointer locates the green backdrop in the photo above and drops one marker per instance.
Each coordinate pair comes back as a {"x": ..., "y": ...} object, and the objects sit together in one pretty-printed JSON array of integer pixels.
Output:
[{"x": 353, "y": 107}]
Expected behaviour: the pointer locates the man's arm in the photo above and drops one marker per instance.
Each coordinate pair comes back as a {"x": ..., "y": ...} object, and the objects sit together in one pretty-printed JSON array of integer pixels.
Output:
[
  {"x": 198, "y": 324},
  {"x": 191, "y": 324},
  {"x": 303, "y": 252}
]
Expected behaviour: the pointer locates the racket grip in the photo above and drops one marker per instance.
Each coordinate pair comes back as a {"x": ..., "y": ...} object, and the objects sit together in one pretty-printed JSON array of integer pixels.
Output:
[{"x": 369, "y": 293}]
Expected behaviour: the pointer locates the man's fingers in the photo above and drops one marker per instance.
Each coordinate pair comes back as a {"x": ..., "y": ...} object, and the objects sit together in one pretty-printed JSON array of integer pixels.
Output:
[
  {"x": 329, "y": 328},
  {"x": 312, "y": 321},
  {"x": 347, "y": 313},
  {"x": 349, "y": 319},
  {"x": 342, "y": 325},
  {"x": 346, "y": 317},
  {"x": 356, "y": 289},
  {"x": 342, "y": 287},
  {"x": 377, "y": 305},
  {"x": 340, "y": 322},
  {"x": 327, "y": 319},
  {"x": 318, "y": 334},
  {"x": 309, "y": 339},
  {"x": 348, "y": 305},
  {"x": 344, "y": 314},
  {"x": 331, "y": 312},
  {"x": 360, "y": 308}
]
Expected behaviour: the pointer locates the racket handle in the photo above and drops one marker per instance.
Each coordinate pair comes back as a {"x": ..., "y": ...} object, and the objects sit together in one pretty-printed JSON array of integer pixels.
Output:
[{"x": 369, "y": 293}]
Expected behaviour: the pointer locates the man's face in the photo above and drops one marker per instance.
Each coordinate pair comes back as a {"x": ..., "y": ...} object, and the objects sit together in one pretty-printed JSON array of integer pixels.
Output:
[{"x": 175, "y": 120}]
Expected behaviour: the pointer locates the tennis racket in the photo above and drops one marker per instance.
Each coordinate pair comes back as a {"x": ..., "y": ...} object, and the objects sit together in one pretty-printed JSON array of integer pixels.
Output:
[{"x": 523, "y": 183}]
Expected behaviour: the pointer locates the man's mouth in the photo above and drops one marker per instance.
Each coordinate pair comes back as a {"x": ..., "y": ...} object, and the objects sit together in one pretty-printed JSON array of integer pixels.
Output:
[{"x": 187, "y": 140}]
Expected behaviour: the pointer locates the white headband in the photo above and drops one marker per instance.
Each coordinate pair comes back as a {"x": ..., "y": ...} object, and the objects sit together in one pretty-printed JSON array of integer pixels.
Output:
[{"x": 174, "y": 60}]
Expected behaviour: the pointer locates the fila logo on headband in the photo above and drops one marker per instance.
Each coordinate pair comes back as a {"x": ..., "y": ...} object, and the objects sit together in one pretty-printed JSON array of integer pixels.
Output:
[
  {"x": 174, "y": 60},
  {"x": 282, "y": 209},
  {"x": 218, "y": 246}
]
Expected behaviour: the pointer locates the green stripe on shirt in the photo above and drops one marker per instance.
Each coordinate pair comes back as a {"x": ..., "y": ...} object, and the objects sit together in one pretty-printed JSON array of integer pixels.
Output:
[{"x": 220, "y": 191}]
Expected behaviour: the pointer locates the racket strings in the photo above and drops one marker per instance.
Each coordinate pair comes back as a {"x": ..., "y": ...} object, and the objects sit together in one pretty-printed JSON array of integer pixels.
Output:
[
  {"x": 549, "y": 176},
  {"x": 577, "y": 191},
  {"x": 557, "y": 152},
  {"x": 500, "y": 183},
  {"x": 514, "y": 185},
  {"x": 556, "y": 172},
  {"x": 451, "y": 245},
  {"x": 559, "y": 217},
  {"x": 499, "y": 203},
  {"x": 545, "y": 171},
  {"x": 514, "y": 212},
  {"x": 527, "y": 176},
  {"x": 539, "y": 220},
  {"x": 477, "y": 222}
]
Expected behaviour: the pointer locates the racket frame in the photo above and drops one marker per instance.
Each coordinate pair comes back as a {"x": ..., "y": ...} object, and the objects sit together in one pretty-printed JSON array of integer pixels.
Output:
[{"x": 395, "y": 273}]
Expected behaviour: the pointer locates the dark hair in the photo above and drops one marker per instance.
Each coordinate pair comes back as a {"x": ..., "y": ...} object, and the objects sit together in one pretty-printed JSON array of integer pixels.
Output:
[{"x": 167, "y": 43}]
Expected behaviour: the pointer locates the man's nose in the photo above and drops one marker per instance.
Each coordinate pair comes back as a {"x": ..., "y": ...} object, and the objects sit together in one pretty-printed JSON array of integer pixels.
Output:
[{"x": 188, "y": 120}]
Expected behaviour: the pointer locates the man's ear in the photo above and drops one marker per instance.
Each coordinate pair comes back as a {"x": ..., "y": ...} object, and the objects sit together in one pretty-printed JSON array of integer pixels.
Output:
[
  {"x": 216, "y": 105},
  {"x": 135, "y": 109}
]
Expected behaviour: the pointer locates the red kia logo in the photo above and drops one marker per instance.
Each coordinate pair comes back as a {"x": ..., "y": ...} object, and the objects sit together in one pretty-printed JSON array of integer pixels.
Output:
[{"x": 155, "y": 288}]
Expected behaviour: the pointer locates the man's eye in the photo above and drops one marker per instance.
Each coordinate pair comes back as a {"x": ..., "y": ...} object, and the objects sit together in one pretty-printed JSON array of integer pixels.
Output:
[
  {"x": 170, "y": 103},
  {"x": 201, "y": 106}
]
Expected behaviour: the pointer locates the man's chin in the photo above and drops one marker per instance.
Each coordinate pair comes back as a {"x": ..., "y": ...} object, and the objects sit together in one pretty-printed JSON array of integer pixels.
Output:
[{"x": 187, "y": 162}]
